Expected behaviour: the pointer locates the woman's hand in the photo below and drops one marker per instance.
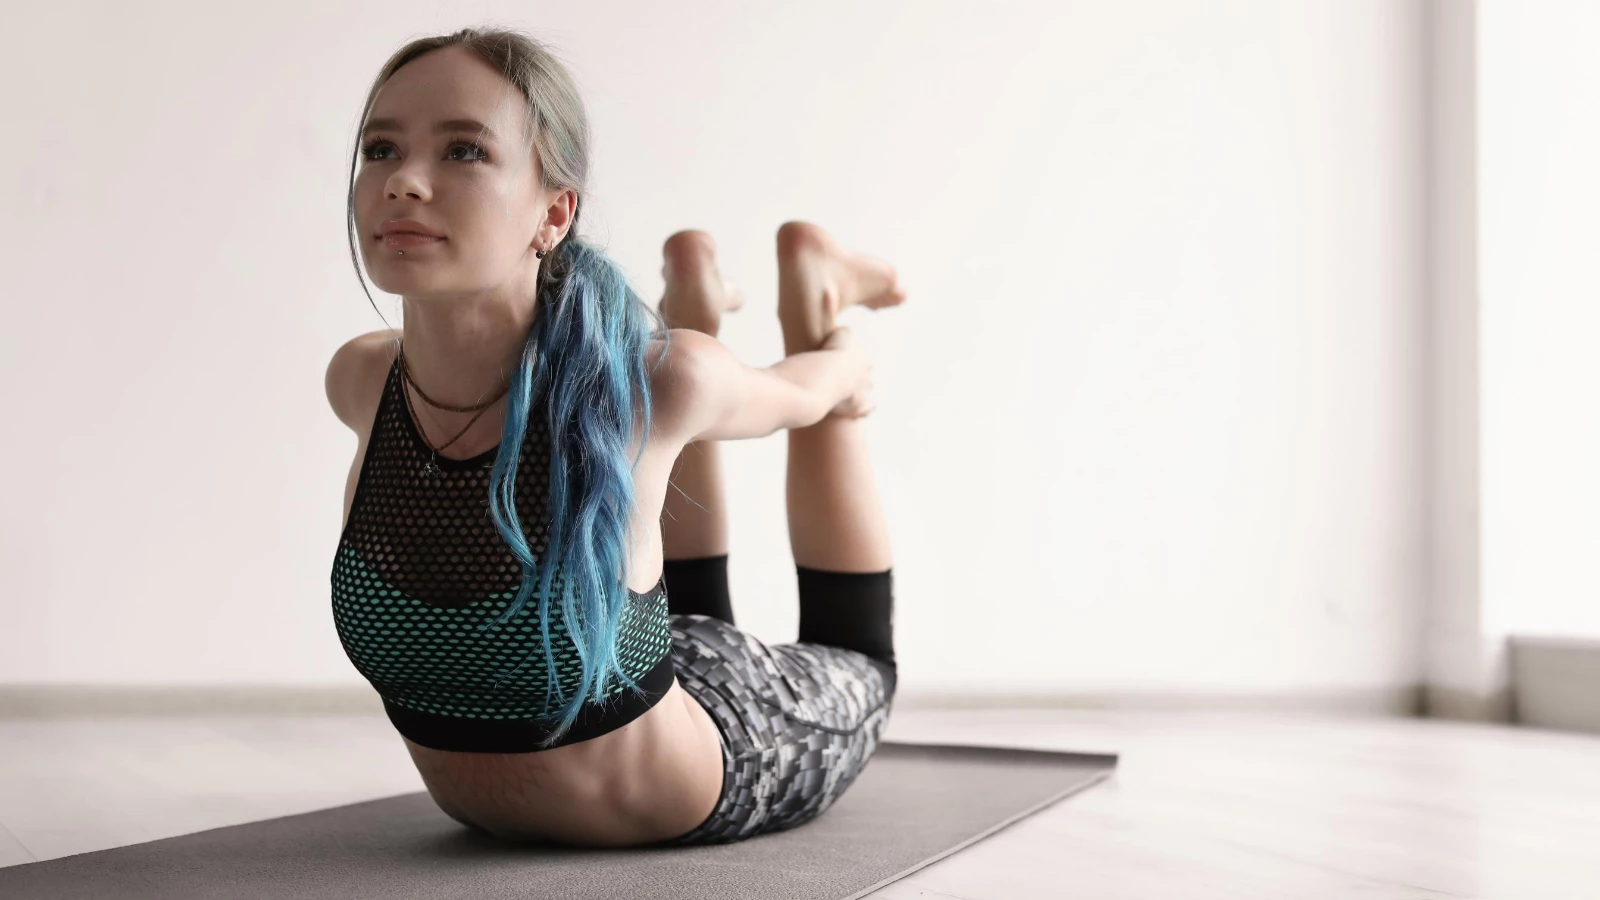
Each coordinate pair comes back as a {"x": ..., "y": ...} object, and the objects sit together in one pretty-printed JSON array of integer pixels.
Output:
[{"x": 858, "y": 402}]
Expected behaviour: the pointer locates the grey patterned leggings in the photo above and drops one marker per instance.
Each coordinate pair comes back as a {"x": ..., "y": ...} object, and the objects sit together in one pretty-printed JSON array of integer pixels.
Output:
[{"x": 798, "y": 723}]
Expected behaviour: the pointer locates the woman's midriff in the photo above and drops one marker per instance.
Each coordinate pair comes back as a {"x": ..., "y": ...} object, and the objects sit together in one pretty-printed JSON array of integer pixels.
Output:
[{"x": 655, "y": 778}]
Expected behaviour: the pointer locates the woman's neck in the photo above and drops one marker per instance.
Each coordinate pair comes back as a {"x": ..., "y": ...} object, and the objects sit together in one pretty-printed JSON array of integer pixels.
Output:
[{"x": 463, "y": 352}]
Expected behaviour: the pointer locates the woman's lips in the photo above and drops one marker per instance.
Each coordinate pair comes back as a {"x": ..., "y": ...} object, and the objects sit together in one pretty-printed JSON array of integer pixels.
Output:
[{"x": 408, "y": 239}]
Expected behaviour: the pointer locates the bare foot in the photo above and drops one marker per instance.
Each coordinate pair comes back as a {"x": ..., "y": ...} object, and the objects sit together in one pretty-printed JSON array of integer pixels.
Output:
[
  {"x": 819, "y": 279},
  {"x": 696, "y": 294}
]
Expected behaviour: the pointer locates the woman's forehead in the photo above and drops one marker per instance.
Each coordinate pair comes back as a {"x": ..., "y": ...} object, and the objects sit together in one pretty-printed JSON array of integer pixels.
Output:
[{"x": 453, "y": 88}]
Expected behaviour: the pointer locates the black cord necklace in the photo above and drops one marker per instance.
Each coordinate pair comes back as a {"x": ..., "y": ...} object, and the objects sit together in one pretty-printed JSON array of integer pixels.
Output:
[{"x": 431, "y": 467}]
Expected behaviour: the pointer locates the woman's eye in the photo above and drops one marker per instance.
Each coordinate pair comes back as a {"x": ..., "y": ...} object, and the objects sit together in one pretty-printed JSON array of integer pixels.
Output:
[
  {"x": 471, "y": 145},
  {"x": 370, "y": 151}
]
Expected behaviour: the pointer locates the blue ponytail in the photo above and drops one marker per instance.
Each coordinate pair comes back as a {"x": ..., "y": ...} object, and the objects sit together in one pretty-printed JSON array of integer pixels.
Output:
[{"x": 587, "y": 350}]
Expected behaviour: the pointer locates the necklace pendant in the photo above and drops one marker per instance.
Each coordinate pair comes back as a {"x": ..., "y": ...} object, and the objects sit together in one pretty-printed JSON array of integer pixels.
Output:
[{"x": 431, "y": 469}]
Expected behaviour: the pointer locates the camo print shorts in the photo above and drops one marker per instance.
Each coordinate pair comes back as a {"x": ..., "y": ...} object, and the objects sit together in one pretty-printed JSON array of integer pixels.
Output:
[{"x": 798, "y": 723}]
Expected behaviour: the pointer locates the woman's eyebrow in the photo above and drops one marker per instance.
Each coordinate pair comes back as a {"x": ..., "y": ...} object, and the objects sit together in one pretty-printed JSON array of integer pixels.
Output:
[{"x": 438, "y": 127}]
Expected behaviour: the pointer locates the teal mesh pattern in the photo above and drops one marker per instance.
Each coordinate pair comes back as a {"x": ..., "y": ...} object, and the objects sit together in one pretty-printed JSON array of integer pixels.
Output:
[
  {"x": 420, "y": 568},
  {"x": 436, "y": 659}
]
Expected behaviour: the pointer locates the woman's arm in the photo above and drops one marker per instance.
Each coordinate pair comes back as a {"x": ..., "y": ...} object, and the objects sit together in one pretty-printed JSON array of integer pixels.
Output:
[{"x": 713, "y": 396}]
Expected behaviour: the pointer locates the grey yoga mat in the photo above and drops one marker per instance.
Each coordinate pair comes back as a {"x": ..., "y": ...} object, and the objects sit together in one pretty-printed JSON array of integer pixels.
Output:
[{"x": 912, "y": 805}]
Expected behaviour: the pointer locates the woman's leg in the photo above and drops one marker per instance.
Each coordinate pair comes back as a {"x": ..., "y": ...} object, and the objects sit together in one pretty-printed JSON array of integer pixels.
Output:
[
  {"x": 781, "y": 771},
  {"x": 835, "y": 518},
  {"x": 694, "y": 514},
  {"x": 837, "y": 530}
]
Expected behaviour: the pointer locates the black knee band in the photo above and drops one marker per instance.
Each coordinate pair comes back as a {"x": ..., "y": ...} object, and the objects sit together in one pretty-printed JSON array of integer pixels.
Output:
[
  {"x": 698, "y": 587},
  {"x": 853, "y": 610}
]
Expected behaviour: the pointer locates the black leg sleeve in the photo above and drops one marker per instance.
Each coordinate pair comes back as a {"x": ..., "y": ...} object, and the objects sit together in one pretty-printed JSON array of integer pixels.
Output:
[
  {"x": 853, "y": 610},
  {"x": 698, "y": 587}
]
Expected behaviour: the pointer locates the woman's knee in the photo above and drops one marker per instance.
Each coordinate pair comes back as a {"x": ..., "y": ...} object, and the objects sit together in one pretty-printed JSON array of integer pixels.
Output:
[{"x": 852, "y": 610}]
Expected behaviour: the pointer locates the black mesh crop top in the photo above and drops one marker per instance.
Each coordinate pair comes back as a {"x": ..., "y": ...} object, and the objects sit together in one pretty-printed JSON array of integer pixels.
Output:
[{"x": 420, "y": 566}]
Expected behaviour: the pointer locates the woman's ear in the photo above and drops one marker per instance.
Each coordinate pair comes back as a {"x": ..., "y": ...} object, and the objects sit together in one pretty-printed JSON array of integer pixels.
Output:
[{"x": 560, "y": 213}]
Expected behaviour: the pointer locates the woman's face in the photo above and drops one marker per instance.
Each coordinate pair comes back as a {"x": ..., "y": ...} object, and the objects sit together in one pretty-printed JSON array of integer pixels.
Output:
[{"x": 423, "y": 158}]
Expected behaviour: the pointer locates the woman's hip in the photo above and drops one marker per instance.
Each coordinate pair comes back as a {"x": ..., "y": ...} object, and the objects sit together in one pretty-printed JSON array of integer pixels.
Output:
[{"x": 798, "y": 722}]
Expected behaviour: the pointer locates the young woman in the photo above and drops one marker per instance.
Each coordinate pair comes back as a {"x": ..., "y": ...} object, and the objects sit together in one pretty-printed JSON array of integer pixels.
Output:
[{"x": 497, "y": 575}]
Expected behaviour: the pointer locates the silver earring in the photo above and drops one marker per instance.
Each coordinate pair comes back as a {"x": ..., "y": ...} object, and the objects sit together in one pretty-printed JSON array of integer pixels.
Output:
[{"x": 400, "y": 252}]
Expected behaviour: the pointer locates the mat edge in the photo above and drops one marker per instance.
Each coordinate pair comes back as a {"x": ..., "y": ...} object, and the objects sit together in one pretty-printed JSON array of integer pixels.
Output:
[
  {"x": 1076, "y": 756},
  {"x": 1078, "y": 788}
]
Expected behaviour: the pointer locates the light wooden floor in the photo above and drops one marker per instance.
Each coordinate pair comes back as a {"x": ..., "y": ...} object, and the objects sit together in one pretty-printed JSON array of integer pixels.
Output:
[{"x": 1203, "y": 806}]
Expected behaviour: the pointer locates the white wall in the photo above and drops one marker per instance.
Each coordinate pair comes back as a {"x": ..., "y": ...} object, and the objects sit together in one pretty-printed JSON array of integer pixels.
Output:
[
  {"x": 1540, "y": 175},
  {"x": 1515, "y": 489},
  {"x": 1150, "y": 422}
]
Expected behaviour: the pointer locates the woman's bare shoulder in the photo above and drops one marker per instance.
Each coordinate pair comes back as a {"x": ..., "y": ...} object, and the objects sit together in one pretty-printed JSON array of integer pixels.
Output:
[
  {"x": 353, "y": 381},
  {"x": 675, "y": 366}
]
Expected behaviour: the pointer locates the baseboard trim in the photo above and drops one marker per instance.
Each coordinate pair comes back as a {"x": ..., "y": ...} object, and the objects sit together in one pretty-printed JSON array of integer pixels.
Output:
[
  {"x": 59, "y": 701},
  {"x": 19, "y": 701},
  {"x": 1452, "y": 703},
  {"x": 1399, "y": 701}
]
